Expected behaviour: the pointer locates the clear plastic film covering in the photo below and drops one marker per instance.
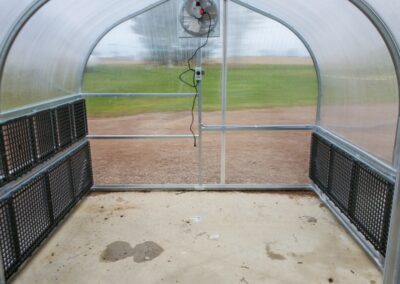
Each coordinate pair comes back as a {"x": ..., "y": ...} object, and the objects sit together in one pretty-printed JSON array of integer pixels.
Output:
[
  {"x": 146, "y": 57},
  {"x": 359, "y": 87},
  {"x": 271, "y": 76},
  {"x": 48, "y": 56},
  {"x": 389, "y": 11},
  {"x": 150, "y": 54},
  {"x": 10, "y": 12},
  {"x": 360, "y": 95}
]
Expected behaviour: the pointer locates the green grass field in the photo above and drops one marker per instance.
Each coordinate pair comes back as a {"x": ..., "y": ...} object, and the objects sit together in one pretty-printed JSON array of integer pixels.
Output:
[{"x": 249, "y": 86}]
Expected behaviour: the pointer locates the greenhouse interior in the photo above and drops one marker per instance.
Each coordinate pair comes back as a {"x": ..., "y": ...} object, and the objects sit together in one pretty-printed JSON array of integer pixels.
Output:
[{"x": 199, "y": 141}]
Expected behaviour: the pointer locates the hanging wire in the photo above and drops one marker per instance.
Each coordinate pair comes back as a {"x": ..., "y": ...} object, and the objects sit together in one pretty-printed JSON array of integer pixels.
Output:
[{"x": 194, "y": 82}]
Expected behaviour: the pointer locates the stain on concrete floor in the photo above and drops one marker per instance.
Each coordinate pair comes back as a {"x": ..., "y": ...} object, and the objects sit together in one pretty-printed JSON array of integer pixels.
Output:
[
  {"x": 119, "y": 250},
  {"x": 309, "y": 219},
  {"x": 146, "y": 251},
  {"x": 273, "y": 255},
  {"x": 116, "y": 251}
]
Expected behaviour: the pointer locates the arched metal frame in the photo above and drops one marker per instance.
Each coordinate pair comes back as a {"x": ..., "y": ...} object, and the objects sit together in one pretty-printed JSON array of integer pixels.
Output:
[
  {"x": 289, "y": 27},
  {"x": 394, "y": 51},
  {"x": 392, "y": 273},
  {"x": 364, "y": 7},
  {"x": 212, "y": 128},
  {"x": 392, "y": 260},
  {"x": 14, "y": 32},
  {"x": 369, "y": 158}
]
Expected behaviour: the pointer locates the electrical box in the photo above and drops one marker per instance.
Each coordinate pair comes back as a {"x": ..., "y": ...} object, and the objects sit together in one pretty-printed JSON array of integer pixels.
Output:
[{"x": 198, "y": 73}]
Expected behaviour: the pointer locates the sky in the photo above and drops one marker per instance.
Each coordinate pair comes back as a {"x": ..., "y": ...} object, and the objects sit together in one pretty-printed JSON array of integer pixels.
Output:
[{"x": 249, "y": 34}]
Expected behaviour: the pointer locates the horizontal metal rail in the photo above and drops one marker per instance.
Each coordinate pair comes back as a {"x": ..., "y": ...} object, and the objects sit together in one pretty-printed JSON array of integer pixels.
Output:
[
  {"x": 118, "y": 95},
  {"x": 360, "y": 154},
  {"x": 30, "y": 109},
  {"x": 268, "y": 127},
  {"x": 11, "y": 187},
  {"x": 203, "y": 187},
  {"x": 354, "y": 232},
  {"x": 145, "y": 136}
]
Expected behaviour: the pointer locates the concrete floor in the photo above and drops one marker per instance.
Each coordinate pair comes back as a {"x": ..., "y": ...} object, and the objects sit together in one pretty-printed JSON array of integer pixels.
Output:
[{"x": 200, "y": 237}]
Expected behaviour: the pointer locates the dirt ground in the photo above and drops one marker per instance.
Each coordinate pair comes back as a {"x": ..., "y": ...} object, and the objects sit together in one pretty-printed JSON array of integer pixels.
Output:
[
  {"x": 251, "y": 157},
  {"x": 200, "y": 238}
]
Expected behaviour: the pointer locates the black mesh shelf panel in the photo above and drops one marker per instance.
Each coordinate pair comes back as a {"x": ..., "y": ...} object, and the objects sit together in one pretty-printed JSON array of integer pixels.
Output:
[
  {"x": 18, "y": 146},
  {"x": 43, "y": 129},
  {"x": 361, "y": 193},
  {"x": 28, "y": 141},
  {"x": 319, "y": 163},
  {"x": 341, "y": 179},
  {"x": 372, "y": 205},
  {"x": 2, "y": 163},
  {"x": 8, "y": 248},
  {"x": 82, "y": 171},
  {"x": 80, "y": 121},
  {"x": 33, "y": 209},
  {"x": 63, "y": 126},
  {"x": 31, "y": 215},
  {"x": 61, "y": 191}
]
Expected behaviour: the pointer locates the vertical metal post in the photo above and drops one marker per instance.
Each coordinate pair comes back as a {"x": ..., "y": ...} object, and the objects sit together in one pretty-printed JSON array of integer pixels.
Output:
[
  {"x": 200, "y": 120},
  {"x": 49, "y": 199},
  {"x": 392, "y": 259},
  {"x": 320, "y": 95},
  {"x": 53, "y": 130},
  {"x": 3, "y": 157},
  {"x": 396, "y": 148},
  {"x": 32, "y": 141},
  {"x": 224, "y": 89},
  {"x": 2, "y": 271},
  {"x": 14, "y": 231},
  {"x": 85, "y": 116},
  {"x": 73, "y": 122}
]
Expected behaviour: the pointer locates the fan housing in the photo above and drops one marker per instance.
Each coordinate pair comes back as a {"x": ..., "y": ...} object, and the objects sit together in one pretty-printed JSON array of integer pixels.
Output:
[{"x": 199, "y": 18}]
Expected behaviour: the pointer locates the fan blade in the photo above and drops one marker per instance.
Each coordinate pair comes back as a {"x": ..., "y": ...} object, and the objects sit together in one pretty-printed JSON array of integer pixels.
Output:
[
  {"x": 195, "y": 26},
  {"x": 206, "y": 4}
]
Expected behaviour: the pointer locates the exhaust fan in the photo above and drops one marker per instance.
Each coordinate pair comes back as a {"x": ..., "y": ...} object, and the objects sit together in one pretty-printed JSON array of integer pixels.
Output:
[{"x": 199, "y": 18}]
